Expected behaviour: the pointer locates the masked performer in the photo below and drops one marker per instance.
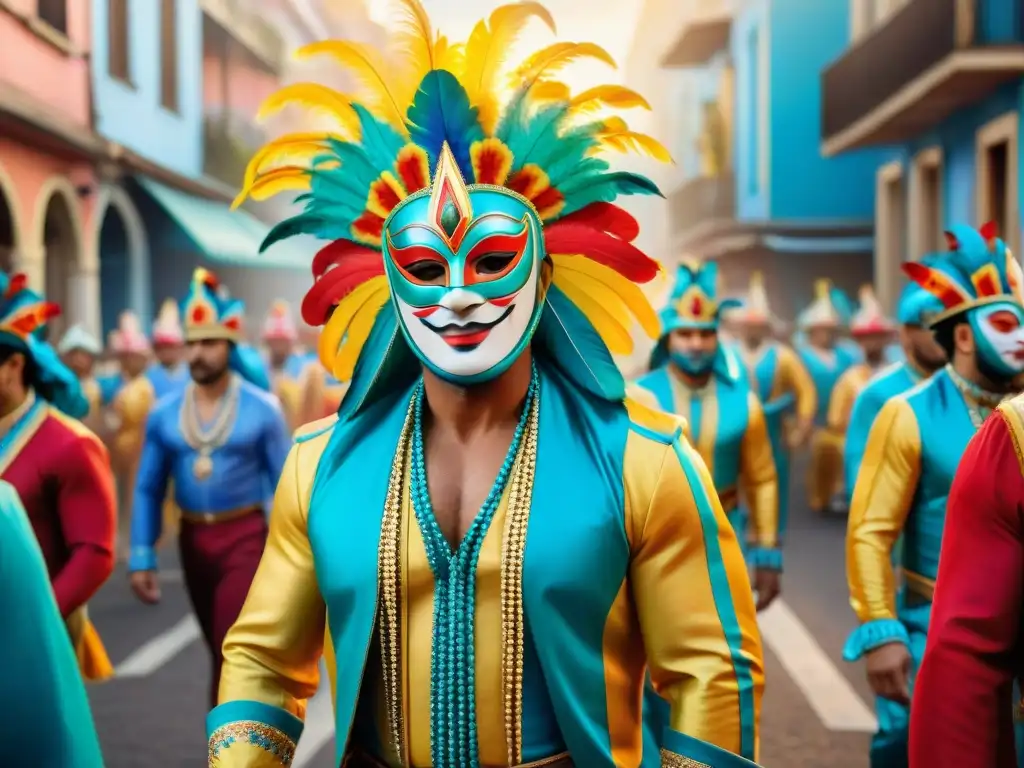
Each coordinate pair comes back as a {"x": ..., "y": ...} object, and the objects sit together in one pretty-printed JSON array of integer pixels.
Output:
[
  {"x": 503, "y": 621},
  {"x": 79, "y": 350},
  {"x": 169, "y": 373},
  {"x": 962, "y": 714},
  {"x": 913, "y": 450},
  {"x": 923, "y": 356},
  {"x": 821, "y": 324},
  {"x": 223, "y": 442},
  {"x": 779, "y": 380},
  {"x": 45, "y": 707},
  {"x": 697, "y": 377},
  {"x": 279, "y": 337},
  {"x": 58, "y": 467}
]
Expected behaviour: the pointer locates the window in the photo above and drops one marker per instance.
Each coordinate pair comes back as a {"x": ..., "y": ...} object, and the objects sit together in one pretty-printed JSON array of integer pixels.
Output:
[
  {"x": 752, "y": 136},
  {"x": 118, "y": 47},
  {"x": 925, "y": 215},
  {"x": 54, "y": 13},
  {"x": 169, "y": 55},
  {"x": 996, "y": 167},
  {"x": 890, "y": 225}
]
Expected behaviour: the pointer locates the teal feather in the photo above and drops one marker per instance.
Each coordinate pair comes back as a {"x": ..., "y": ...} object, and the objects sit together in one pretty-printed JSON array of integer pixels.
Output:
[
  {"x": 380, "y": 141},
  {"x": 576, "y": 349},
  {"x": 570, "y": 156},
  {"x": 538, "y": 138},
  {"x": 604, "y": 188},
  {"x": 441, "y": 113},
  {"x": 307, "y": 223},
  {"x": 571, "y": 168},
  {"x": 385, "y": 365},
  {"x": 513, "y": 117},
  {"x": 353, "y": 159}
]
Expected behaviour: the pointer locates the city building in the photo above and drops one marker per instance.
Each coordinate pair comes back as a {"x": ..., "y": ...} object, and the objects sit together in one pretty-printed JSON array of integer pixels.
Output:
[
  {"x": 938, "y": 83},
  {"x": 750, "y": 188},
  {"x": 48, "y": 151}
]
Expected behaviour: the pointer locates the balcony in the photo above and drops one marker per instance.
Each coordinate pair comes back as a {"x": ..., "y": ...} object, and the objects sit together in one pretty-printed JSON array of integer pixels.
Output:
[
  {"x": 930, "y": 59},
  {"x": 706, "y": 200},
  {"x": 705, "y": 32}
]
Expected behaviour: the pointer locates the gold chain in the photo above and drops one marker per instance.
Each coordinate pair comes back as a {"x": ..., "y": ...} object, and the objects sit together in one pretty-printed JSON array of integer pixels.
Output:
[{"x": 206, "y": 441}]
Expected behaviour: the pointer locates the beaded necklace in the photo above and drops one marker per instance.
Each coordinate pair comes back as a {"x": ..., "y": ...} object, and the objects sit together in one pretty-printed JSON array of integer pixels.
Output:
[
  {"x": 206, "y": 441},
  {"x": 453, "y": 664},
  {"x": 979, "y": 402}
]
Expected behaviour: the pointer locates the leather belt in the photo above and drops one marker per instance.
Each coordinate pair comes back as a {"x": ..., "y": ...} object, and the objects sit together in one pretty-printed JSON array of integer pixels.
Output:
[
  {"x": 357, "y": 758},
  {"x": 730, "y": 498},
  {"x": 919, "y": 586},
  {"x": 212, "y": 518}
]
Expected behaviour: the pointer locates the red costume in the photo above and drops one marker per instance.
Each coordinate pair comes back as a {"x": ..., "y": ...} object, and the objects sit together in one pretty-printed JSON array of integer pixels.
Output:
[{"x": 962, "y": 714}]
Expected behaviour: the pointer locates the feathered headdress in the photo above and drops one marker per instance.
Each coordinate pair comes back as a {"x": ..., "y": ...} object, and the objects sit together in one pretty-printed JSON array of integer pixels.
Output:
[
  {"x": 279, "y": 323},
  {"x": 822, "y": 312},
  {"x": 755, "y": 309},
  {"x": 977, "y": 270},
  {"x": 209, "y": 311},
  {"x": 128, "y": 338},
  {"x": 167, "y": 327},
  {"x": 869, "y": 318},
  {"x": 916, "y": 306},
  {"x": 513, "y": 127},
  {"x": 23, "y": 317}
]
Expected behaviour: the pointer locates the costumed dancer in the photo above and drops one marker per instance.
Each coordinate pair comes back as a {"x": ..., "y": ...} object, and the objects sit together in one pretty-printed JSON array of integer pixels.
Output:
[
  {"x": 80, "y": 350},
  {"x": 779, "y": 380},
  {"x": 46, "y": 710},
  {"x": 131, "y": 352},
  {"x": 871, "y": 330},
  {"x": 59, "y": 468},
  {"x": 169, "y": 372},
  {"x": 697, "y": 377},
  {"x": 222, "y": 441},
  {"x": 821, "y": 324},
  {"x": 962, "y": 697},
  {"x": 287, "y": 379},
  {"x": 474, "y": 323},
  {"x": 912, "y": 453},
  {"x": 922, "y": 357}
]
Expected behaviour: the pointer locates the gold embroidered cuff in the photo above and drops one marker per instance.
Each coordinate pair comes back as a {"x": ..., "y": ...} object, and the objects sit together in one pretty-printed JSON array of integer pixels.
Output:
[
  {"x": 253, "y": 734},
  {"x": 672, "y": 760}
]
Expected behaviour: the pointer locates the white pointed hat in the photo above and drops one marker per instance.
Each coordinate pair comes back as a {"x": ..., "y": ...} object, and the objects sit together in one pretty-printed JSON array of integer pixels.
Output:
[
  {"x": 79, "y": 338},
  {"x": 129, "y": 338},
  {"x": 167, "y": 326}
]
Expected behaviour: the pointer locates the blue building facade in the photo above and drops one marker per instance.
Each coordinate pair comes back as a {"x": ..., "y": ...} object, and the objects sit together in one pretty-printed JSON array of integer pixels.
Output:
[
  {"x": 778, "y": 205},
  {"x": 946, "y": 113}
]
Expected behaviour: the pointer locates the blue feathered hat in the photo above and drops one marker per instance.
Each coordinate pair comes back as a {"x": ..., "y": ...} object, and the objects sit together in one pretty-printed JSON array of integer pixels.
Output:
[
  {"x": 916, "y": 306},
  {"x": 977, "y": 270},
  {"x": 23, "y": 318}
]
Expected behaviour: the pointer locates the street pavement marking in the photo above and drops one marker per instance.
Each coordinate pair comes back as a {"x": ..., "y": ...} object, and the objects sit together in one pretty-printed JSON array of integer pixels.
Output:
[
  {"x": 827, "y": 691},
  {"x": 161, "y": 649},
  {"x": 319, "y": 728}
]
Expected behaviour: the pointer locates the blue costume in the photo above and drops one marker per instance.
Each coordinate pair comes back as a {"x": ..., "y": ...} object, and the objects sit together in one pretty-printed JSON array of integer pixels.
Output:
[
  {"x": 504, "y": 647},
  {"x": 912, "y": 453}
]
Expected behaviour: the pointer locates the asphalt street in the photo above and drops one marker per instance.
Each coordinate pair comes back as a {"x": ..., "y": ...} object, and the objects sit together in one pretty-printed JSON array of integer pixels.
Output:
[{"x": 817, "y": 709}]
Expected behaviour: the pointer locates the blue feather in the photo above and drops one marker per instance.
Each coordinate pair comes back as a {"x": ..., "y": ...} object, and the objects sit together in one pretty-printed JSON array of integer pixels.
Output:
[
  {"x": 380, "y": 141},
  {"x": 441, "y": 113},
  {"x": 576, "y": 349},
  {"x": 578, "y": 173},
  {"x": 513, "y": 118},
  {"x": 538, "y": 137},
  {"x": 606, "y": 187}
]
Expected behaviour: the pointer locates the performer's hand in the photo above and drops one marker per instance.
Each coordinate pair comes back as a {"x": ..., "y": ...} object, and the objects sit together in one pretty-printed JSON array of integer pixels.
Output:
[
  {"x": 146, "y": 586},
  {"x": 800, "y": 433},
  {"x": 767, "y": 585},
  {"x": 888, "y": 668}
]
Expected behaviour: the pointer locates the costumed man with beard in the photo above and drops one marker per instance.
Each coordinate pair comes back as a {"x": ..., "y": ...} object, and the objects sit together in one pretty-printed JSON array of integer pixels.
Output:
[
  {"x": 168, "y": 374},
  {"x": 223, "y": 442},
  {"x": 821, "y": 324},
  {"x": 923, "y": 356},
  {"x": 780, "y": 382},
  {"x": 912, "y": 454},
  {"x": 489, "y": 532},
  {"x": 697, "y": 377},
  {"x": 79, "y": 350},
  {"x": 279, "y": 337},
  {"x": 59, "y": 468},
  {"x": 46, "y": 718}
]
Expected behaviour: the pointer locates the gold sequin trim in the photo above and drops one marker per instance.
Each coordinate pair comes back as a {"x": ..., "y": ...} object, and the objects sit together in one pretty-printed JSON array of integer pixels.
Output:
[
  {"x": 672, "y": 760},
  {"x": 389, "y": 597},
  {"x": 254, "y": 733},
  {"x": 520, "y": 497}
]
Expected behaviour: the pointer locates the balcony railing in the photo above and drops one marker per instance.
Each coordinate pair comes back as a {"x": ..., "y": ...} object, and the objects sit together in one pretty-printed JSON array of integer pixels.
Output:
[
  {"x": 228, "y": 145},
  {"x": 870, "y": 82},
  {"x": 701, "y": 200}
]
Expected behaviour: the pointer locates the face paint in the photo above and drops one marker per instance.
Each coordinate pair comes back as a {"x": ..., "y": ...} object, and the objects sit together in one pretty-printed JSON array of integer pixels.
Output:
[
  {"x": 999, "y": 337},
  {"x": 464, "y": 267}
]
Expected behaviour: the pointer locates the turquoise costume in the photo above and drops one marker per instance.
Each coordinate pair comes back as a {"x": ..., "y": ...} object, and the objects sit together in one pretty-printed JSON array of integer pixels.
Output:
[
  {"x": 911, "y": 456},
  {"x": 46, "y": 710},
  {"x": 601, "y": 550}
]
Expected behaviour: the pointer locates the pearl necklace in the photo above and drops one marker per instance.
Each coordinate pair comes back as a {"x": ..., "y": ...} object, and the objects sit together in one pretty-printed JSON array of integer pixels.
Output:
[{"x": 206, "y": 441}]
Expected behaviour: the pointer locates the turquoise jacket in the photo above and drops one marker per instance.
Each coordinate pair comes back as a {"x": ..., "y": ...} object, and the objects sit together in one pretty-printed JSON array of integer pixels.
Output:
[
  {"x": 825, "y": 374},
  {"x": 42, "y": 696}
]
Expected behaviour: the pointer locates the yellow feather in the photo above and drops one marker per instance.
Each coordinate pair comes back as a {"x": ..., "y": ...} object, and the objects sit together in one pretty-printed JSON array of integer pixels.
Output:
[
  {"x": 317, "y": 97},
  {"x": 602, "y": 294},
  {"x": 630, "y": 141},
  {"x": 613, "y": 124},
  {"x": 550, "y": 90},
  {"x": 358, "y": 332},
  {"x": 367, "y": 64},
  {"x": 274, "y": 182},
  {"x": 413, "y": 37},
  {"x": 449, "y": 56},
  {"x": 613, "y": 96},
  {"x": 628, "y": 292},
  {"x": 556, "y": 57},
  {"x": 298, "y": 145},
  {"x": 486, "y": 49},
  {"x": 615, "y": 337},
  {"x": 340, "y": 320}
]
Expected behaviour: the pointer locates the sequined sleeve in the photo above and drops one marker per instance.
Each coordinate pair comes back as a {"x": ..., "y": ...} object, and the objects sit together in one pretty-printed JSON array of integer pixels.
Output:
[
  {"x": 761, "y": 487},
  {"x": 797, "y": 380},
  {"x": 272, "y": 651},
  {"x": 881, "y": 501},
  {"x": 696, "y": 613}
]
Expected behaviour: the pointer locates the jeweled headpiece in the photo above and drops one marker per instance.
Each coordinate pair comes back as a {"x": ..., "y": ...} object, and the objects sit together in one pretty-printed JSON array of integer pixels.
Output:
[
  {"x": 471, "y": 195},
  {"x": 694, "y": 301},
  {"x": 209, "y": 312}
]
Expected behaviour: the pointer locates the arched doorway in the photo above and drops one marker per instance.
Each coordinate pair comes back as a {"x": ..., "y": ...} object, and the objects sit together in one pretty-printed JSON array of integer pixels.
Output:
[
  {"x": 61, "y": 241},
  {"x": 121, "y": 245}
]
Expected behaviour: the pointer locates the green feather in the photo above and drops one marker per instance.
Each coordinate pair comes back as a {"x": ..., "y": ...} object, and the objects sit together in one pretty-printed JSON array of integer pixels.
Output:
[
  {"x": 604, "y": 188},
  {"x": 303, "y": 224}
]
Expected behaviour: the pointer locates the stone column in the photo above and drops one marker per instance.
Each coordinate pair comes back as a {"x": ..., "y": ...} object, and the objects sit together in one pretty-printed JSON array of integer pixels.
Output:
[
  {"x": 30, "y": 258},
  {"x": 83, "y": 294}
]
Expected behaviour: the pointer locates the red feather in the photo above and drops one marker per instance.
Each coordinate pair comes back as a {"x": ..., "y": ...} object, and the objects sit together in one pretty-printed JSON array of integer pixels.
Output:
[
  {"x": 335, "y": 253},
  {"x": 607, "y": 218},
  {"x": 951, "y": 242},
  {"x": 988, "y": 231},
  {"x": 17, "y": 284},
  {"x": 625, "y": 258},
  {"x": 334, "y": 285}
]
